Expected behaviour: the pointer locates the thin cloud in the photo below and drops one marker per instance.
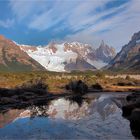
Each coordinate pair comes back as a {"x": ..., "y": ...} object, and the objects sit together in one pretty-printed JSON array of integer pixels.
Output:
[
  {"x": 25, "y": 8},
  {"x": 86, "y": 21},
  {"x": 118, "y": 29},
  {"x": 76, "y": 14},
  {"x": 6, "y": 23}
]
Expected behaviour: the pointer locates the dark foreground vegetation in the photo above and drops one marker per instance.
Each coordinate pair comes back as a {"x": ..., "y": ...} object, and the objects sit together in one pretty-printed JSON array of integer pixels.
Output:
[
  {"x": 31, "y": 93},
  {"x": 77, "y": 87},
  {"x": 36, "y": 92}
]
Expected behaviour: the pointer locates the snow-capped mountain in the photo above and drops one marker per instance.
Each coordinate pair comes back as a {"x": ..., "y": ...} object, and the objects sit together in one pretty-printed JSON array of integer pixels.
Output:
[{"x": 68, "y": 56}]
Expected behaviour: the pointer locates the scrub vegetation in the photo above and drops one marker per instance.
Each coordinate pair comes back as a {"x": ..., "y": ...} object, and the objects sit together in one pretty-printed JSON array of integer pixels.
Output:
[{"x": 57, "y": 82}]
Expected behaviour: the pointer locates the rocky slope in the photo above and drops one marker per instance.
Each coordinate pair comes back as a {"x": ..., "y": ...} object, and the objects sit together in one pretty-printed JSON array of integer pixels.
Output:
[
  {"x": 129, "y": 57},
  {"x": 12, "y": 58},
  {"x": 70, "y": 56}
]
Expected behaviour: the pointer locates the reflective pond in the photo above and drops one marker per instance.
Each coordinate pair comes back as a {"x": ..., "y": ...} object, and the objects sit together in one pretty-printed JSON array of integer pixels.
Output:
[{"x": 94, "y": 116}]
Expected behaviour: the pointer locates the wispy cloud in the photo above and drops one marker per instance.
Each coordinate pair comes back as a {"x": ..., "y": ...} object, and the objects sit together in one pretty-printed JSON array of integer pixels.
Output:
[
  {"x": 115, "y": 30},
  {"x": 59, "y": 11},
  {"x": 123, "y": 25},
  {"x": 45, "y": 13},
  {"x": 86, "y": 21},
  {"x": 6, "y": 23},
  {"x": 85, "y": 14},
  {"x": 25, "y": 8},
  {"x": 77, "y": 14}
]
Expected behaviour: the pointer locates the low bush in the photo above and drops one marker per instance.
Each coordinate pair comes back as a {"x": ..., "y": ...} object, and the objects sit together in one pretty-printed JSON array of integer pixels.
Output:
[
  {"x": 77, "y": 87},
  {"x": 34, "y": 85}
]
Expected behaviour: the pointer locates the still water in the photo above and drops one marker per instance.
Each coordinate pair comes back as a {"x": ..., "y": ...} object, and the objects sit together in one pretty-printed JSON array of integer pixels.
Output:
[{"x": 95, "y": 116}]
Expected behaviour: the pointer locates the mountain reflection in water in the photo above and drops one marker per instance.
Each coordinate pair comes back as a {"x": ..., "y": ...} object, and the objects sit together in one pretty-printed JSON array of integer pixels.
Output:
[{"x": 89, "y": 117}]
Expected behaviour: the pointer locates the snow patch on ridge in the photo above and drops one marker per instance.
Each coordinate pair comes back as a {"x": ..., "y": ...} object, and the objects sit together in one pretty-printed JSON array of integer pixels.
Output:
[{"x": 52, "y": 61}]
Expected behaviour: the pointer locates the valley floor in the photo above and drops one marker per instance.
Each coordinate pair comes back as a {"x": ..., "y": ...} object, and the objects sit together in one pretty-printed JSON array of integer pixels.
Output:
[{"x": 56, "y": 82}]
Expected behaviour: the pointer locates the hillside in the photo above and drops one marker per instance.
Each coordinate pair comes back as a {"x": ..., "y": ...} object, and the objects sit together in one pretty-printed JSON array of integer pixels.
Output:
[{"x": 12, "y": 58}]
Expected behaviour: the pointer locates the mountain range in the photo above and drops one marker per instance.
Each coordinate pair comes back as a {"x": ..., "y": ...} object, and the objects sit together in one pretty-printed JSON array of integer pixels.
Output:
[{"x": 68, "y": 56}]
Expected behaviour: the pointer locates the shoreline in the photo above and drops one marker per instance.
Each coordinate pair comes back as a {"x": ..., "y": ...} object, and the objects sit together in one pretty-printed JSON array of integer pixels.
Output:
[{"x": 20, "y": 101}]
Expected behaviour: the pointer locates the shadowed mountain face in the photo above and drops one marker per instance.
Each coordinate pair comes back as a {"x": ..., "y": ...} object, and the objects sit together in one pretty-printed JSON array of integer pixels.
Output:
[
  {"x": 12, "y": 58},
  {"x": 129, "y": 57}
]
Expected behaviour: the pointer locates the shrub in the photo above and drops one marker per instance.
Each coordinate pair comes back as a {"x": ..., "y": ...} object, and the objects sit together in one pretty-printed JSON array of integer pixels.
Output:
[
  {"x": 77, "y": 87},
  {"x": 34, "y": 85}
]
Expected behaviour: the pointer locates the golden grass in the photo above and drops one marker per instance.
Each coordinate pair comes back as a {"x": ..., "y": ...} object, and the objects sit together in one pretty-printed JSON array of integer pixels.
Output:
[{"x": 56, "y": 81}]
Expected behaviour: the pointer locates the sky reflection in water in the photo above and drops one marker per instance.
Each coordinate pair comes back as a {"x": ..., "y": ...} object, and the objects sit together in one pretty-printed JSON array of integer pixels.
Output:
[{"x": 92, "y": 117}]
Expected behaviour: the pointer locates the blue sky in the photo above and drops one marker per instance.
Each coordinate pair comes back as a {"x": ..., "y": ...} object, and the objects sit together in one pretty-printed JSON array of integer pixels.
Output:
[{"x": 37, "y": 22}]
